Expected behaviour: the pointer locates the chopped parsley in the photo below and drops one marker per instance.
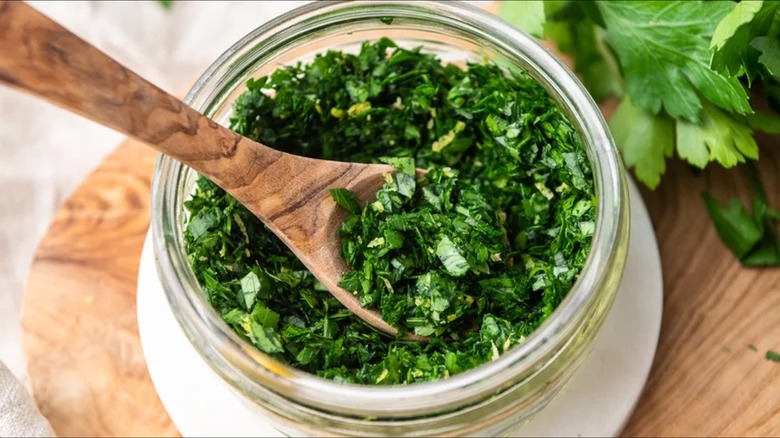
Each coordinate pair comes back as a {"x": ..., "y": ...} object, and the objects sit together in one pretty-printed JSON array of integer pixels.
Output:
[
  {"x": 476, "y": 254},
  {"x": 773, "y": 356}
]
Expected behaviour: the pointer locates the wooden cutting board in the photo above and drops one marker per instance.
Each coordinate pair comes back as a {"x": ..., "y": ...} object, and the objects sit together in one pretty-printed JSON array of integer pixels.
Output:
[{"x": 79, "y": 329}]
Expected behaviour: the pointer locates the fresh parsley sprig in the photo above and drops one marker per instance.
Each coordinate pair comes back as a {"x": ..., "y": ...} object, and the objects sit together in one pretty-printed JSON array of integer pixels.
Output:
[
  {"x": 679, "y": 70},
  {"x": 751, "y": 235}
]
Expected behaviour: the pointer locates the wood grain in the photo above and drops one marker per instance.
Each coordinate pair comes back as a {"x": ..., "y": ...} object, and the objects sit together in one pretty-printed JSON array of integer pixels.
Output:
[{"x": 79, "y": 328}]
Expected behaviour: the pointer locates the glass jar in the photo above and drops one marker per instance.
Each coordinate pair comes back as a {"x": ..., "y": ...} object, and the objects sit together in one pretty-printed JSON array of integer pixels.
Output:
[{"x": 493, "y": 399}]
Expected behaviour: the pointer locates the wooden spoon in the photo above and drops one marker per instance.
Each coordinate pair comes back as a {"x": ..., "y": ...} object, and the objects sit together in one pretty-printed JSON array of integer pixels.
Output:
[{"x": 289, "y": 193}]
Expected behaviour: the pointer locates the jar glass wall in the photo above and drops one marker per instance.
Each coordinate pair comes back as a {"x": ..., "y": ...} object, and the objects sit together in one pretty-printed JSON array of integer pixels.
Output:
[{"x": 494, "y": 398}]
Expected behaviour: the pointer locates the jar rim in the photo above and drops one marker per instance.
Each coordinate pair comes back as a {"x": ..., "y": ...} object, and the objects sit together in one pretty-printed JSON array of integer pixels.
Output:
[{"x": 186, "y": 298}]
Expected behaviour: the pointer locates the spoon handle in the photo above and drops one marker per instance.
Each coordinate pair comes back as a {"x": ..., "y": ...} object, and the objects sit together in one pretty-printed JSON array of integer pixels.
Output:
[{"x": 39, "y": 56}]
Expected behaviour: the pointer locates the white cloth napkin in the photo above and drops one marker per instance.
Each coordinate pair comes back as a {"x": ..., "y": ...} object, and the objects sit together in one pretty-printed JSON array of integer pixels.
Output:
[{"x": 18, "y": 415}]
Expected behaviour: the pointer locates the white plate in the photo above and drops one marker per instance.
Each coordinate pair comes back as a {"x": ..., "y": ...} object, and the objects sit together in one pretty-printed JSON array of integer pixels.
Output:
[{"x": 597, "y": 401}]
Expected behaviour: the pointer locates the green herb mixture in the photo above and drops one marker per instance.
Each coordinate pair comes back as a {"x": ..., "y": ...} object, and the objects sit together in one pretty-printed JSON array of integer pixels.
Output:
[{"x": 476, "y": 254}]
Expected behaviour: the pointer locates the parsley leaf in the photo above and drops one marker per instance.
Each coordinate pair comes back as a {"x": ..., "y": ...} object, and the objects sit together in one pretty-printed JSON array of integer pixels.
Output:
[
  {"x": 250, "y": 286},
  {"x": 528, "y": 16},
  {"x": 751, "y": 236},
  {"x": 742, "y": 13},
  {"x": 773, "y": 356},
  {"x": 734, "y": 40},
  {"x": 346, "y": 200},
  {"x": 770, "y": 53},
  {"x": 645, "y": 140},
  {"x": 663, "y": 49},
  {"x": 718, "y": 137},
  {"x": 451, "y": 257},
  {"x": 202, "y": 223},
  {"x": 403, "y": 164},
  {"x": 734, "y": 224},
  {"x": 266, "y": 339}
]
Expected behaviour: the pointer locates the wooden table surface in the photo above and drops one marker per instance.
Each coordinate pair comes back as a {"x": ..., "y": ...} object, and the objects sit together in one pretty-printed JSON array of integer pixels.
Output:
[{"x": 709, "y": 376}]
